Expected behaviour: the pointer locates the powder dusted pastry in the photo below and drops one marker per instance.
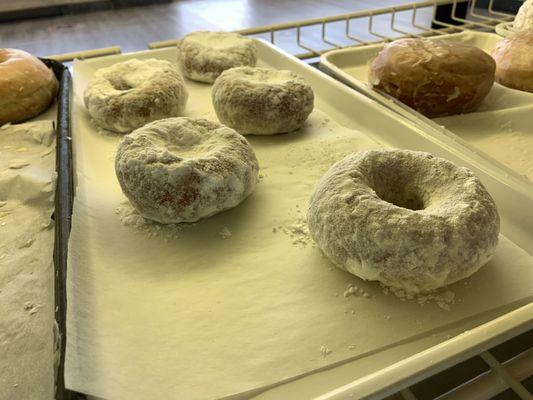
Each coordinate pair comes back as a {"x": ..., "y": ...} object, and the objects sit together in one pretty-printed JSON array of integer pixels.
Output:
[
  {"x": 408, "y": 219},
  {"x": 129, "y": 94},
  {"x": 204, "y": 55},
  {"x": 524, "y": 17},
  {"x": 261, "y": 101},
  {"x": 184, "y": 169},
  {"x": 27, "y": 86},
  {"x": 435, "y": 77},
  {"x": 514, "y": 61}
]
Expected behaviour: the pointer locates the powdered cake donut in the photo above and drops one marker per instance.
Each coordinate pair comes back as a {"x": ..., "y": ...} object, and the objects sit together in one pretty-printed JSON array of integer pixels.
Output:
[
  {"x": 204, "y": 55},
  {"x": 524, "y": 17},
  {"x": 434, "y": 77},
  {"x": 184, "y": 169},
  {"x": 129, "y": 94},
  {"x": 405, "y": 218},
  {"x": 262, "y": 101}
]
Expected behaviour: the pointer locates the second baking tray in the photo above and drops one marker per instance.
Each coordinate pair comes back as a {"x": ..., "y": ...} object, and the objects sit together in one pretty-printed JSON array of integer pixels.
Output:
[
  {"x": 243, "y": 299},
  {"x": 501, "y": 127}
]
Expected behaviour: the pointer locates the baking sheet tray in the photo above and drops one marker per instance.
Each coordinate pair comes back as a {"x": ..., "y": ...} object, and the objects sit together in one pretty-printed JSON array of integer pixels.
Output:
[
  {"x": 184, "y": 306},
  {"x": 501, "y": 126}
]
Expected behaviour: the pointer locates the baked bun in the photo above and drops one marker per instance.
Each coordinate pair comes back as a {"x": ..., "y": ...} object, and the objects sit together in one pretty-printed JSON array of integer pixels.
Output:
[
  {"x": 514, "y": 61},
  {"x": 27, "y": 86},
  {"x": 524, "y": 17},
  {"x": 434, "y": 77}
]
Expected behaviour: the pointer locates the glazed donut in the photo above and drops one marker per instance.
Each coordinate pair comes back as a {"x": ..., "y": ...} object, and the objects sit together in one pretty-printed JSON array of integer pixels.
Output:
[
  {"x": 204, "y": 55},
  {"x": 262, "y": 101},
  {"x": 435, "y": 77},
  {"x": 184, "y": 169},
  {"x": 514, "y": 61},
  {"x": 27, "y": 86},
  {"x": 524, "y": 17},
  {"x": 129, "y": 94},
  {"x": 405, "y": 218}
]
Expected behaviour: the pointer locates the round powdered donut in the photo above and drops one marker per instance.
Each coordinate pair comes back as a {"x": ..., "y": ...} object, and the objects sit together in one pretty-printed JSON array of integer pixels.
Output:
[
  {"x": 204, "y": 55},
  {"x": 407, "y": 219},
  {"x": 262, "y": 101},
  {"x": 27, "y": 86},
  {"x": 184, "y": 169},
  {"x": 524, "y": 17},
  {"x": 514, "y": 61},
  {"x": 435, "y": 77},
  {"x": 129, "y": 94}
]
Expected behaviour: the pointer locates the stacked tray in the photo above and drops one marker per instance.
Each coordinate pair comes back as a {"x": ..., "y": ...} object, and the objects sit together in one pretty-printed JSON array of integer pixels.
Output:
[
  {"x": 156, "y": 311},
  {"x": 500, "y": 127}
]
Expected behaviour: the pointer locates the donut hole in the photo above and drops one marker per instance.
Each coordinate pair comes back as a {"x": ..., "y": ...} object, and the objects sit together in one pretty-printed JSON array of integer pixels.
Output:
[
  {"x": 402, "y": 198},
  {"x": 120, "y": 84},
  {"x": 397, "y": 186}
]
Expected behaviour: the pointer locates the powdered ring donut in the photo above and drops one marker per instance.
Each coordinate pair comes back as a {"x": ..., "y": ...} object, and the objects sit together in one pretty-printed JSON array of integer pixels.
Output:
[
  {"x": 262, "y": 101},
  {"x": 184, "y": 169},
  {"x": 204, "y": 55},
  {"x": 405, "y": 218},
  {"x": 129, "y": 94}
]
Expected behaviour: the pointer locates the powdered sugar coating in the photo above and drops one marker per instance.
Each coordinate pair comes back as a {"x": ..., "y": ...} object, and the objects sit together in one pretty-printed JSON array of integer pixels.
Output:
[
  {"x": 129, "y": 94},
  {"x": 204, "y": 55},
  {"x": 184, "y": 169},
  {"x": 524, "y": 17},
  {"x": 444, "y": 227},
  {"x": 262, "y": 101}
]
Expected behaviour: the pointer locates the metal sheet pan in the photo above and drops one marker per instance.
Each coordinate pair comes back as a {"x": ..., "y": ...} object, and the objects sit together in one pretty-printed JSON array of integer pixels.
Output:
[{"x": 345, "y": 107}]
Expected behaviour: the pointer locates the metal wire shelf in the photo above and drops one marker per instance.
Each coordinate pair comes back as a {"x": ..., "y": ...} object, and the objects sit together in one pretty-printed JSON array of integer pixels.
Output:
[{"x": 319, "y": 35}]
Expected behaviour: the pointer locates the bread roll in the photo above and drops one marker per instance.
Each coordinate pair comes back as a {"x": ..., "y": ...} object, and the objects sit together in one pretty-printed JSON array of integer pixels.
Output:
[
  {"x": 434, "y": 77},
  {"x": 27, "y": 86},
  {"x": 514, "y": 61}
]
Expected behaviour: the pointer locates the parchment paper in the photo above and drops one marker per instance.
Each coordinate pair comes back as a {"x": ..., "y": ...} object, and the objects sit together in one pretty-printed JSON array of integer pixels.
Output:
[
  {"x": 27, "y": 182},
  {"x": 195, "y": 313}
]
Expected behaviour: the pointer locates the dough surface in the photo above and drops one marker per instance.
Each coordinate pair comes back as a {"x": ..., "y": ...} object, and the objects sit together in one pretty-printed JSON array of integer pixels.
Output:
[{"x": 407, "y": 219}]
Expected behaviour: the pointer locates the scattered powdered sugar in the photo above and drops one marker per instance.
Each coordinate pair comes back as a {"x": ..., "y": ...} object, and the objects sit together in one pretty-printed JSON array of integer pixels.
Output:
[
  {"x": 225, "y": 233},
  {"x": 444, "y": 298},
  {"x": 352, "y": 290},
  {"x": 325, "y": 351},
  {"x": 129, "y": 216},
  {"x": 296, "y": 228}
]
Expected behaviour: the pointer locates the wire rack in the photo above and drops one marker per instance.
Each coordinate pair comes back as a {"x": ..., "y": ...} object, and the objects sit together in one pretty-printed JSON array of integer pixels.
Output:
[{"x": 313, "y": 37}]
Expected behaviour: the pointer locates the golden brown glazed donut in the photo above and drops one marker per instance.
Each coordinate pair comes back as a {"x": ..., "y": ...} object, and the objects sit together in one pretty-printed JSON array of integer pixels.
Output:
[
  {"x": 27, "y": 86},
  {"x": 514, "y": 61},
  {"x": 434, "y": 77}
]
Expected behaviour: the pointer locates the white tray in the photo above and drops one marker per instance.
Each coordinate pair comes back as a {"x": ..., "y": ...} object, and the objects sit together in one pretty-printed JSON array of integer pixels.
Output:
[
  {"x": 502, "y": 121},
  {"x": 124, "y": 315}
]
